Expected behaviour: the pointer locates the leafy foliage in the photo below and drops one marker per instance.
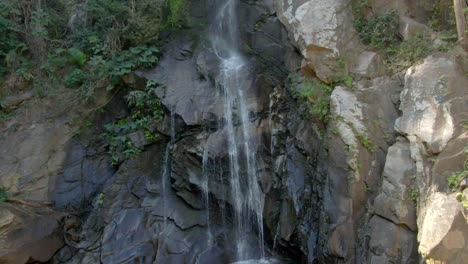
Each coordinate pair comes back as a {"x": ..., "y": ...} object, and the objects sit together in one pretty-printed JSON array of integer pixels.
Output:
[
  {"x": 406, "y": 54},
  {"x": 456, "y": 177},
  {"x": 9, "y": 37},
  {"x": 117, "y": 38},
  {"x": 366, "y": 142},
  {"x": 4, "y": 195},
  {"x": 314, "y": 94},
  {"x": 75, "y": 78},
  {"x": 381, "y": 33},
  {"x": 146, "y": 111},
  {"x": 177, "y": 13}
]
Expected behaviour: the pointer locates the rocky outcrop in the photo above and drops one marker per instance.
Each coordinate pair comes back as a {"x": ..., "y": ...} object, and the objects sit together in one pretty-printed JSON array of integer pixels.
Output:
[
  {"x": 358, "y": 138},
  {"x": 443, "y": 234},
  {"x": 395, "y": 202},
  {"x": 433, "y": 102},
  {"x": 323, "y": 32},
  {"x": 371, "y": 189},
  {"x": 29, "y": 234}
]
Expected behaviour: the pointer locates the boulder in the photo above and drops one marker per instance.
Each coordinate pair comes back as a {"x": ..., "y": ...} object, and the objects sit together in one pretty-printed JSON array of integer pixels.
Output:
[
  {"x": 321, "y": 29},
  {"x": 433, "y": 102},
  {"x": 13, "y": 101},
  {"x": 28, "y": 234},
  {"x": 450, "y": 160},
  {"x": 391, "y": 243},
  {"x": 358, "y": 137},
  {"x": 409, "y": 28},
  {"x": 395, "y": 200},
  {"x": 368, "y": 64},
  {"x": 443, "y": 236}
]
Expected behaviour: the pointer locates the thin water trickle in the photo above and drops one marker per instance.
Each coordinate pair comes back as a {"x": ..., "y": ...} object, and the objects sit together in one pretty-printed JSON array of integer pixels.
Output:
[
  {"x": 165, "y": 181},
  {"x": 206, "y": 194}
]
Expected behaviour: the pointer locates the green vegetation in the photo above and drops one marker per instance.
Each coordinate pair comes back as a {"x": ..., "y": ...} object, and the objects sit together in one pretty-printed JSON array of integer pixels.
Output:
[
  {"x": 115, "y": 38},
  {"x": 341, "y": 76},
  {"x": 381, "y": 33},
  {"x": 408, "y": 52},
  {"x": 414, "y": 194},
  {"x": 100, "y": 50},
  {"x": 146, "y": 111},
  {"x": 314, "y": 94},
  {"x": 4, "y": 195},
  {"x": 378, "y": 32},
  {"x": 456, "y": 177},
  {"x": 100, "y": 200},
  {"x": 366, "y": 142}
]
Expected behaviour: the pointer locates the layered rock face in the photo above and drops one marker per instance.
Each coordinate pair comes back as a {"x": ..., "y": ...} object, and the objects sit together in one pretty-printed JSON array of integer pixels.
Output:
[{"x": 370, "y": 187}]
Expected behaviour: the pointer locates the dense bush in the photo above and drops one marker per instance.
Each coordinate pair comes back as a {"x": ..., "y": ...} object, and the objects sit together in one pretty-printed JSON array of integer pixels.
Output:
[
  {"x": 381, "y": 33},
  {"x": 314, "y": 94},
  {"x": 118, "y": 37}
]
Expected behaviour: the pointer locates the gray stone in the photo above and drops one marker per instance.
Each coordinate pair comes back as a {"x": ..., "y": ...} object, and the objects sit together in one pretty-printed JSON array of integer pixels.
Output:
[
  {"x": 443, "y": 232},
  {"x": 391, "y": 243},
  {"x": 138, "y": 139},
  {"x": 321, "y": 30},
  {"x": 433, "y": 102},
  {"x": 13, "y": 101},
  {"x": 368, "y": 65},
  {"x": 395, "y": 201},
  {"x": 409, "y": 28}
]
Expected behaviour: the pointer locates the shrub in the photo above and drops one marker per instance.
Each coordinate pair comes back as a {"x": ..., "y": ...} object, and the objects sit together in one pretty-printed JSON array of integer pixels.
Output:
[
  {"x": 75, "y": 78},
  {"x": 317, "y": 97},
  {"x": 77, "y": 57},
  {"x": 381, "y": 31},
  {"x": 177, "y": 13},
  {"x": 4, "y": 195},
  {"x": 403, "y": 56},
  {"x": 146, "y": 109}
]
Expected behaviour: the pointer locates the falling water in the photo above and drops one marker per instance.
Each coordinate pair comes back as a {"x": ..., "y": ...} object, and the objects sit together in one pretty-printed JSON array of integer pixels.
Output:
[
  {"x": 167, "y": 171},
  {"x": 206, "y": 195},
  {"x": 246, "y": 196}
]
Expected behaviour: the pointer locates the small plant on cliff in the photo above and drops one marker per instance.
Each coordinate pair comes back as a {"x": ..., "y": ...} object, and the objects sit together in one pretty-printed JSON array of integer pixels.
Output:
[
  {"x": 381, "y": 33},
  {"x": 146, "y": 112},
  {"x": 414, "y": 194},
  {"x": 378, "y": 32},
  {"x": 4, "y": 195},
  {"x": 456, "y": 177},
  {"x": 403, "y": 56},
  {"x": 317, "y": 97},
  {"x": 366, "y": 142},
  {"x": 178, "y": 13}
]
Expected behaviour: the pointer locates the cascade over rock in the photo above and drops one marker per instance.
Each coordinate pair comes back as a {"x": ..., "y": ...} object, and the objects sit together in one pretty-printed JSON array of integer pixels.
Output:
[{"x": 241, "y": 170}]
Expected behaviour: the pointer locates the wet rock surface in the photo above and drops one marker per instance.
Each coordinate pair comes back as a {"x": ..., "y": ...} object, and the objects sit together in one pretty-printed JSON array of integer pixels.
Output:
[{"x": 371, "y": 189}]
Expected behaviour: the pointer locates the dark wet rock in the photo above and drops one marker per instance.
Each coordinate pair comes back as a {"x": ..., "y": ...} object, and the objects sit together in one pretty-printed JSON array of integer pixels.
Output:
[
  {"x": 184, "y": 90},
  {"x": 127, "y": 238},
  {"x": 81, "y": 177}
]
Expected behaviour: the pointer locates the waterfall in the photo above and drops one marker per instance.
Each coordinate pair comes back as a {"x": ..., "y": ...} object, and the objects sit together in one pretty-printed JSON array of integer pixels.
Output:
[
  {"x": 247, "y": 199},
  {"x": 166, "y": 176},
  {"x": 206, "y": 195}
]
